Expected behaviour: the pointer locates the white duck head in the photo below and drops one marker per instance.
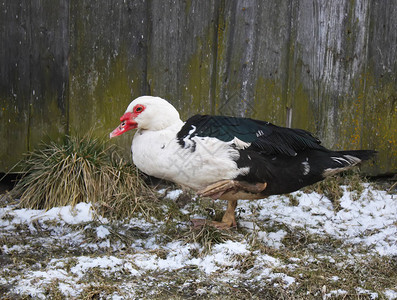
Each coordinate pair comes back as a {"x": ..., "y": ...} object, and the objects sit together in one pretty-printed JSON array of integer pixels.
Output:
[{"x": 147, "y": 113}]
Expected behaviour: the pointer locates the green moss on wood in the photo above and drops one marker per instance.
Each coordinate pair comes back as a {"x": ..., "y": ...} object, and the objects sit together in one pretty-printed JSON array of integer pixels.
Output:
[
  {"x": 197, "y": 92},
  {"x": 269, "y": 103},
  {"x": 101, "y": 90}
]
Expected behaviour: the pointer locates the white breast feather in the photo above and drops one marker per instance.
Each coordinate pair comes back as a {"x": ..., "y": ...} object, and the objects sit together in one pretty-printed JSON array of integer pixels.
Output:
[{"x": 212, "y": 160}]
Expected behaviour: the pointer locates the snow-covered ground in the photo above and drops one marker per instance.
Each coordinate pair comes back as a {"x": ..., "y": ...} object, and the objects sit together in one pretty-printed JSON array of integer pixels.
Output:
[{"x": 72, "y": 253}]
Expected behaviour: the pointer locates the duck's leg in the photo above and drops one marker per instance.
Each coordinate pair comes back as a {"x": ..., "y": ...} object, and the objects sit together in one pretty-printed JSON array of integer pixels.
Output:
[
  {"x": 228, "y": 219},
  {"x": 222, "y": 187}
]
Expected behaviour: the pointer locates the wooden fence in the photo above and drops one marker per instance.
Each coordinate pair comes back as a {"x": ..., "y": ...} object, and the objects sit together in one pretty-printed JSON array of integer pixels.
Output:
[{"x": 71, "y": 66}]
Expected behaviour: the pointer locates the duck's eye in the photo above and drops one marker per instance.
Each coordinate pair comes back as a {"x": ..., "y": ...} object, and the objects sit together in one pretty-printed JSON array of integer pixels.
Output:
[{"x": 139, "y": 108}]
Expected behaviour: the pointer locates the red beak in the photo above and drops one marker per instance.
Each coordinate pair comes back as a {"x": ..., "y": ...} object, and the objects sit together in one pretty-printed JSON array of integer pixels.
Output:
[{"x": 127, "y": 123}]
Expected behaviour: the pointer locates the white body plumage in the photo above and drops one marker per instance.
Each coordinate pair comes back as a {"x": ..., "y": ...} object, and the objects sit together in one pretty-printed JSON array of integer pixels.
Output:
[{"x": 212, "y": 160}]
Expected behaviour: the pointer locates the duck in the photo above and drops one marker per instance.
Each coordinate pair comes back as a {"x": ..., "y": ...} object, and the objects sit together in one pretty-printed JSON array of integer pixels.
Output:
[{"x": 228, "y": 158}]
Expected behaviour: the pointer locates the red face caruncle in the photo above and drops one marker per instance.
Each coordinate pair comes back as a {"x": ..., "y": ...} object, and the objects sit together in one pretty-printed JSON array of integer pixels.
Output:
[{"x": 128, "y": 121}]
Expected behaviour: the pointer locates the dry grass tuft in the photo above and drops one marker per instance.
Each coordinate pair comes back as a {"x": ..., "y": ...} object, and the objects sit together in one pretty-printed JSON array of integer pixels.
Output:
[
  {"x": 101, "y": 291},
  {"x": 207, "y": 236},
  {"x": 83, "y": 170}
]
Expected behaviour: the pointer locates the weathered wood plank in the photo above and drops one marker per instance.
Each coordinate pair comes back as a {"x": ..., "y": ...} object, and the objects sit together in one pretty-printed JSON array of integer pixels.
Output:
[
  {"x": 48, "y": 51},
  {"x": 331, "y": 75},
  {"x": 14, "y": 81},
  {"x": 379, "y": 86},
  {"x": 33, "y": 76},
  {"x": 328, "y": 60},
  {"x": 107, "y": 63},
  {"x": 181, "y": 53},
  {"x": 252, "y": 59}
]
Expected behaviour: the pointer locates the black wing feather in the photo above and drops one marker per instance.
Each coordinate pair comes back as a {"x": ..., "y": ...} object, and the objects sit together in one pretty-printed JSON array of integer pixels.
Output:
[{"x": 263, "y": 136}]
